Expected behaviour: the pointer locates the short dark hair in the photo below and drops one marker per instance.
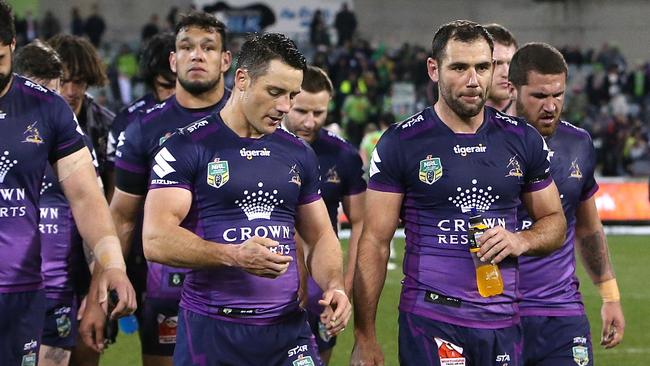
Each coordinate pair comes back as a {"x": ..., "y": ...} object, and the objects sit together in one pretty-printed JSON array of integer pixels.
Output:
[
  {"x": 80, "y": 59},
  {"x": 154, "y": 59},
  {"x": 315, "y": 80},
  {"x": 205, "y": 21},
  {"x": 38, "y": 60},
  {"x": 258, "y": 51},
  {"x": 536, "y": 56},
  {"x": 7, "y": 27},
  {"x": 459, "y": 30},
  {"x": 501, "y": 35}
]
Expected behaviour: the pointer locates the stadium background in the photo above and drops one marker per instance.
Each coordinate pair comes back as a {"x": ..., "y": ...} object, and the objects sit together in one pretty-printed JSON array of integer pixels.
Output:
[{"x": 606, "y": 43}]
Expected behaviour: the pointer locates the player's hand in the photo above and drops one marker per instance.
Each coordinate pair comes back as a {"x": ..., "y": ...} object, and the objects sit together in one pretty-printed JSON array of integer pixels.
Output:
[
  {"x": 366, "y": 352},
  {"x": 92, "y": 325},
  {"x": 116, "y": 279},
  {"x": 613, "y": 324},
  {"x": 337, "y": 311},
  {"x": 497, "y": 243},
  {"x": 257, "y": 256}
]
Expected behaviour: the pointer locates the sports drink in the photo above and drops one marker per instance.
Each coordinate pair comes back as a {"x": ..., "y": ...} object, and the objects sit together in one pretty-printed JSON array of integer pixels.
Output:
[{"x": 488, "y": 276}]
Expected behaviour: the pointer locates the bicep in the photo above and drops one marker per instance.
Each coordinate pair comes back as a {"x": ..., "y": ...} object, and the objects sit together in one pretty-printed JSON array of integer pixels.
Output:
[
  {"x": 166, "y": 206},
  {"x": 126, "y": 205},
  {"x": 76, "y": 173},
  {"x": 353, "y": 206},
  {"x": 543, "y": 202},
  {"x": 381, "y": 213},
  {"x": 312, "y": 221}
]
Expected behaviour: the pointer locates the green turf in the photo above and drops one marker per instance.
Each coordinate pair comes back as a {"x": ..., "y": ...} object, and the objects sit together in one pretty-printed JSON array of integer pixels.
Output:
[{"x": 629, "y": 254}]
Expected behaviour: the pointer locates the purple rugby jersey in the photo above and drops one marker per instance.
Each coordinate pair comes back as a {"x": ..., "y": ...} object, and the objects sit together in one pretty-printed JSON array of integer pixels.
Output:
[
  {"x": 341, "y": 172},
  {"x": 549, "y": 285},
  {"x": 122, "y": 119},
  {"x": 38, "y": 128},
  {"x": 443, "y": 176},
  {"x": 240, "y": 187},
  {"x": 134, "y": 156}
]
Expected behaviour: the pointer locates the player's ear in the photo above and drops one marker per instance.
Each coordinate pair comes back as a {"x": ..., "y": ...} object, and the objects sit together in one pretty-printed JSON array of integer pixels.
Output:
[
  {"x": 172, "y": 61},
  {"x": 242, "y": 79},
  {"x": 13, "y": 44},
  {"x": 433, "y": 69}
]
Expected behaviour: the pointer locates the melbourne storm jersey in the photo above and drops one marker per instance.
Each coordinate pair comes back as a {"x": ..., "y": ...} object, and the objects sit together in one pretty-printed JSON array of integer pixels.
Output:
[
  {"x": 122, "y": 119},
  {"x": 341, "y": 172},
  {"x": 135, "y": 153},
  {"x": 548, "y": 285},
  {"x": 443, "y": 176},
  {"x": 37, "y": 127},
  {"x": 241, "y": 187}
]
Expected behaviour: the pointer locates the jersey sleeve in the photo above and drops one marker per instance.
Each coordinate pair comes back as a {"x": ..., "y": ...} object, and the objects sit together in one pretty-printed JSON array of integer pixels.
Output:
[
  {"x": 385, "y": 166},
  {"x": 115, "y": 136},
  {"x": 353, "y": 182},
  {"x": 67, "y": 132},
  {"x": 590, "y": 187},
  {"x": 175, "y": 164},
  {"x": 132, "y": 163},
  {"x": 538, "y": 168},
  {"x": 310, "y": 187}
]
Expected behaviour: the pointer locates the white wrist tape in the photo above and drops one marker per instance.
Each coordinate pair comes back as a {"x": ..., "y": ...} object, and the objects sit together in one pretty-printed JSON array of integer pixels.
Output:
[{"x": 108, "y": 253}]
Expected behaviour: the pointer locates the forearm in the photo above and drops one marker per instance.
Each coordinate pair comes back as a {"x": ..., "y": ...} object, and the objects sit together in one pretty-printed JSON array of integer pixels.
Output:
[
  {"x": 175, "y": 246},
  {"x": 546, "y": 235},
  {"x": 353, "y": 245},
  {"x": 594, "y": 253},
  {"x": 324, "y": 261},
  {"x": 368, "y": 284}
]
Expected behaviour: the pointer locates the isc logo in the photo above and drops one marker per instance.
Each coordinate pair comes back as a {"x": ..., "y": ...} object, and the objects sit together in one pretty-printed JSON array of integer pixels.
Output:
[{"x": 503, "y": 358}]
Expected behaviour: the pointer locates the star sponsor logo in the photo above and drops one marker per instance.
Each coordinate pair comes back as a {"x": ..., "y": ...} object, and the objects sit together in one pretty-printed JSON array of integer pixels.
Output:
[
  {"x": 503, "y": 358},
  {"x": 218, "y": 173},
  {"x": 412, "y": 121},
  {"x": 506, "y": 118},
  {"x": 430, "y": 170},
  {"x": 580, "y": 340},
  {"x": 466, "y": 150},
  {"x": 196, "y": 125},
  {"x": 250, "y": 154},
  {"x": 36, "y": 86}
]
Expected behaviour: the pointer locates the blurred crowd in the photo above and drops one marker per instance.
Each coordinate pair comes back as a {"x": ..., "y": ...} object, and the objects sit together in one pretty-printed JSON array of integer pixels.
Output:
[{"x": 607, "y": 95}]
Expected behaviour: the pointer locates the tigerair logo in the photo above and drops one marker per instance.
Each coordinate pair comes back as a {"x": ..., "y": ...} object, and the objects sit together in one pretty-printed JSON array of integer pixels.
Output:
[
  {"x": 249, "y": 154},
  {"x": 260, "y": 203},
  {"x": 466, "y": 150},
  {"x": 474, "y": 197},
  {"x": 5, "y": 165}
]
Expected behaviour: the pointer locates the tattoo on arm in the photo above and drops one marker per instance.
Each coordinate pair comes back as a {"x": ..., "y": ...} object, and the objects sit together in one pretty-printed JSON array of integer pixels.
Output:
[
  {"x": 57, "y": 355},
  {"x": 595, "y": 255}
]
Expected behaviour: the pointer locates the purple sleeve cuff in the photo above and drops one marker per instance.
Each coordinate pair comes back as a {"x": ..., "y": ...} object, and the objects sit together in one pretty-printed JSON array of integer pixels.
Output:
[
  {"x": 376, "y": 186},
  {"x": 587, "y": 195},
  {"x": 133, "y": 168},
  {"x": 157, "y": 186},
  {"x": 308, "y": 199},
  {"x": 538, "y": 186}
]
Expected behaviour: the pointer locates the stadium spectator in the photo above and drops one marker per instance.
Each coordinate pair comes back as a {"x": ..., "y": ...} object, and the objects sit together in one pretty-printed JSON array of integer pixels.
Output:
[
  {"x": 50, "y": 26},
  {"x": 550, "y": 301},
  {"x": 440, "y": 305},
  {"x": 318, "y": 34},
  {"x": 76, "y": 22},
  {"x": 242, "y": 289},
  {"x": 95, "y": 26},
  {"x": 345, "y": 23},
  {"x": 150, "y": 29}
]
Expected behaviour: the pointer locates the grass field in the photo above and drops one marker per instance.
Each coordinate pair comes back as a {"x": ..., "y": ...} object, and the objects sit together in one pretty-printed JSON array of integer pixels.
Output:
[{"x": 630, "y": 255}]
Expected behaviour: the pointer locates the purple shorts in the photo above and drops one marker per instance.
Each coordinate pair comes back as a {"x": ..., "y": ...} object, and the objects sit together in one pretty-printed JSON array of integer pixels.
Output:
[
  {"x": 158, "y": 327},
  {"x": 61, "y": 324},
  {"x": 557, "y": 340},
  {"x": 204, "y": 341},
  {"x": 21, "y": 319},
  {"x": 424, "y": 341}
]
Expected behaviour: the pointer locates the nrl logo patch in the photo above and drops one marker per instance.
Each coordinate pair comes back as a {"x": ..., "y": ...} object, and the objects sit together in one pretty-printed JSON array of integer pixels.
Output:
[
  {"x": 218, "y": 173},
  {"x": 63, "y": 326},
  {"x": 430, "y": 170},
  {"x": 581, "y": 355}
]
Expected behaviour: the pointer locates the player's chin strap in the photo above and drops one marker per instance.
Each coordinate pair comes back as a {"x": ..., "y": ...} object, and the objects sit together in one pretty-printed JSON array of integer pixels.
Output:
[
  {"x": 109, "y": 253},
  {"x": 609, "y": 291}
]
